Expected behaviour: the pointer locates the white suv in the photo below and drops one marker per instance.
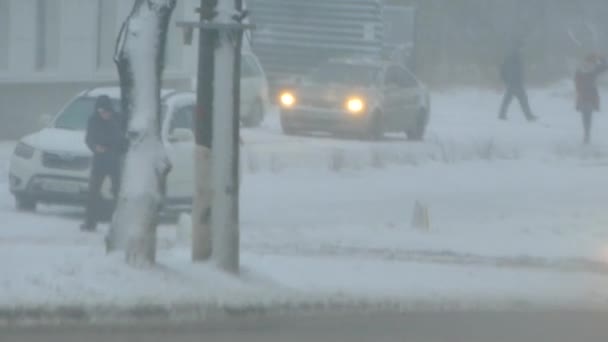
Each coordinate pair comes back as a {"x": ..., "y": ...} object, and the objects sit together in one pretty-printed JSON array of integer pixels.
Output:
[
  {"x": 53, "y": 165},
  {"x": 255, "y": 100}
]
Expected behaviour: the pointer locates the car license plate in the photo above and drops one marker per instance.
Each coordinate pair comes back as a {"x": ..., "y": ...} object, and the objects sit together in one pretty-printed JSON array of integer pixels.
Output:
[{"x": 62, "y": 187}]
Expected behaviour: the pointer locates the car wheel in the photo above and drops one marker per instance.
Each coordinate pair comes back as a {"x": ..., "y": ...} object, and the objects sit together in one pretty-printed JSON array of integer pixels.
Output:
[
  {"x": 255, "y": 117},
  {"x": 287, "y": 128},
  {"x": 289, "y": 131},
  {"x": 417, "y": 131},
  {"x": 106, "y": 210},
  {"x": 25, "y": 203},
  {"x": 375, "y": 130}
]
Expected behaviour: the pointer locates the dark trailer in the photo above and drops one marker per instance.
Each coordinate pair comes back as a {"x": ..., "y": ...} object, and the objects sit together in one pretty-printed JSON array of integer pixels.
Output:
[{"x": 293, "y": 36}]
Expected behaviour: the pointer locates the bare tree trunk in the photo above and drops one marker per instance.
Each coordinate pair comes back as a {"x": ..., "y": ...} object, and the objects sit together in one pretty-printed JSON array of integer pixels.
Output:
[{"x": 140, "y": 61}]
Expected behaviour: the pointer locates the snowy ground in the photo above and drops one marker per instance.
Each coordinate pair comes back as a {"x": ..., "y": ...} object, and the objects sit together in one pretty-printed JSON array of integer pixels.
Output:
[
  {"x": 463, "y": 128},
  {"x": 518, "y": 215}
]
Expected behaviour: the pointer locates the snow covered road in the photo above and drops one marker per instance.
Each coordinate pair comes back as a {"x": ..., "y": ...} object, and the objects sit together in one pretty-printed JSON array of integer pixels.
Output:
[
  {"x": 517, "y": 213},
  {"x": 419, "y": 327}
]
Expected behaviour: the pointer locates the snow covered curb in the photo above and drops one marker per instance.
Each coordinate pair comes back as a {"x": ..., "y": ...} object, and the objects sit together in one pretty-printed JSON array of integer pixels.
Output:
[
  {"x": 194, "y": 312},
  {"x": 358, "y": 156}
]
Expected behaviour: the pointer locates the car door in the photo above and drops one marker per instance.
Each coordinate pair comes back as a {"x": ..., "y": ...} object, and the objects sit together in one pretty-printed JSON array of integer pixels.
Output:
[
  {"x": 404, "y": 97},
  {"x": 180, "y": 146},
  {"x": 411, "y": 96},
  {"x": 393, "y": 97},
  {"x": 250, "y": 78},
  {"x": 412, "y": 89}
]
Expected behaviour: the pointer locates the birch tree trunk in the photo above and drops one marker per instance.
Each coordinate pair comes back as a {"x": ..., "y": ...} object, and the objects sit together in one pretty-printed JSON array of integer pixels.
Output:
[{"x": 139, "y": 57}]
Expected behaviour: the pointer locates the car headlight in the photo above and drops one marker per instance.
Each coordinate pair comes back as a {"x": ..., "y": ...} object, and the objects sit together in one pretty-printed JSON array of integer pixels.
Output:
[
  {"x": 355, "y": 105},
  {"x": 287, "y": 99},
  {"x": 25, "y": 151}
]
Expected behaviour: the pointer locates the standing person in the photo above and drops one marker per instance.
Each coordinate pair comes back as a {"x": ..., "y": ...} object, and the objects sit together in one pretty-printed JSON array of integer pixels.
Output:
[
  {"x": 587, "y": 95},
  {"x": 512, "y": 73},
  {"x": 105, "y": 139}
]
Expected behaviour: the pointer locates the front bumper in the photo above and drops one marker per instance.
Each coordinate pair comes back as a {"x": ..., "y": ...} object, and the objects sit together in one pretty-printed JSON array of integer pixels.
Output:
[
  {"x": 74, "y": 191},
  {"x": 30, "y": 179},
  {"x": 304, "y": 118},
  {"x": 51, "y": 189}
]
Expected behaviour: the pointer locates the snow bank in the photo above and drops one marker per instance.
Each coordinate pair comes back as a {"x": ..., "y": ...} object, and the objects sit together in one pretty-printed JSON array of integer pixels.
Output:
[{"x": 463, "y": 128}]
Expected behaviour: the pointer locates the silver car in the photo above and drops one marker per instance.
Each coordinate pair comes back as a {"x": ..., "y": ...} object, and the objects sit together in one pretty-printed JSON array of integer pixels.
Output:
[{"x": 363, "y": 97}]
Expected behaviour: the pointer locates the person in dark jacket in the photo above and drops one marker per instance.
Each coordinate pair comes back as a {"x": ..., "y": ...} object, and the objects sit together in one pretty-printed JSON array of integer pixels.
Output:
[
  {"x": 512, "y": 73},
  {"x": 105, "y": 139},
  {"x": 587, "y": 94}
]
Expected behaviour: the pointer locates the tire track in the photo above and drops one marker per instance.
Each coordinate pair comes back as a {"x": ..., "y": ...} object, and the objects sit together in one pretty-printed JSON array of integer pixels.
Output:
[{"x": 445, "y": 257}]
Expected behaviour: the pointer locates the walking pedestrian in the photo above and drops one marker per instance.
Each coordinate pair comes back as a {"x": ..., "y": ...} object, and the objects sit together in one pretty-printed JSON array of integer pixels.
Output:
[
  {"x": 512, "y": 74},
  {"x": 105, "y": 139},
  {"x": 587, "y": 94}
]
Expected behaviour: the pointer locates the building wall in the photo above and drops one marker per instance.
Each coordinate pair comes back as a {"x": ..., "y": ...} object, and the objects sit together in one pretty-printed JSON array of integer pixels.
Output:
[{"x": 52, "y": 49}]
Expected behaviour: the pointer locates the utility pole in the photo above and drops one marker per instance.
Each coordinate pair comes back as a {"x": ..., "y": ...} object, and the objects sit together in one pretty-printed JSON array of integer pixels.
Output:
[
  {"x": 203, "y": 123},
  {"x": 231, "y": 259},
  {"x": 216, "y": 207}
]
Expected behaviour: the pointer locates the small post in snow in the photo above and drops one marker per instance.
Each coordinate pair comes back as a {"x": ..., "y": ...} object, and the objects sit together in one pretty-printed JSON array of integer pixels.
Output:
[
  {"x": 216, "y": 209},
  {"x": 420, "y": 217}
]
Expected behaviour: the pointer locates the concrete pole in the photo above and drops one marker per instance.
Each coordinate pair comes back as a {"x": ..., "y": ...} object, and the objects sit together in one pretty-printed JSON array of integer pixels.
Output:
[{"x": 201, "y": 212}]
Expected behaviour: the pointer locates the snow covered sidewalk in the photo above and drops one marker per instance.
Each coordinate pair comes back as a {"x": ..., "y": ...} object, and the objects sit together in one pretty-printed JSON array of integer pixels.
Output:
[
  {"x": 345, "y": 238},
  {"x": 526, "y": 231}
]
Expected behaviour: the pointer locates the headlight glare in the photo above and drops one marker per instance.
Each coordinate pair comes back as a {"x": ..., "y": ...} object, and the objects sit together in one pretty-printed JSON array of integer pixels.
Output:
[
  {"x": 355, "y": 105},
  {"x": 287, "y": 99},
  {"x": 24, "y": 150}
]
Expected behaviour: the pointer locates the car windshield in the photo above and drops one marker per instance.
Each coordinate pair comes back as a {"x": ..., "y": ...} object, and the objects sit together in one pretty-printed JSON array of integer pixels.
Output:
[
  {"x": 343, "y": 73},
  {"x": 76, "y": 115}
]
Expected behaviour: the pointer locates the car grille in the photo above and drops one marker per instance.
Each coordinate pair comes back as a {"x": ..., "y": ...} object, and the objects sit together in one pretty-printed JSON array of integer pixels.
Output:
[
  {"x": 320, "y": 102},
  {"x": 65, "y": 161}
]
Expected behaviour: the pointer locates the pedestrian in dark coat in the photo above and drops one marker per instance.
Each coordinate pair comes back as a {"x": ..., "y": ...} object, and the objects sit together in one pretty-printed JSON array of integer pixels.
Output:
[
  {"x": 105, "y": 139},
  {"x": 587, "y": 94},
  {"x": 512, "y": 74}
]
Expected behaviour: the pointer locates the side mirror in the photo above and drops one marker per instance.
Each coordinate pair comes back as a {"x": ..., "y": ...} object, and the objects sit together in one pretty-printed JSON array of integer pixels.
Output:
[
  {"x": 393, "y": 86},
  {"x": 181, "y": 135},
  {"x": 45, "y": 120},
  {"x": 291, "y": 81},
  {"x": 188, "y": 35}
]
